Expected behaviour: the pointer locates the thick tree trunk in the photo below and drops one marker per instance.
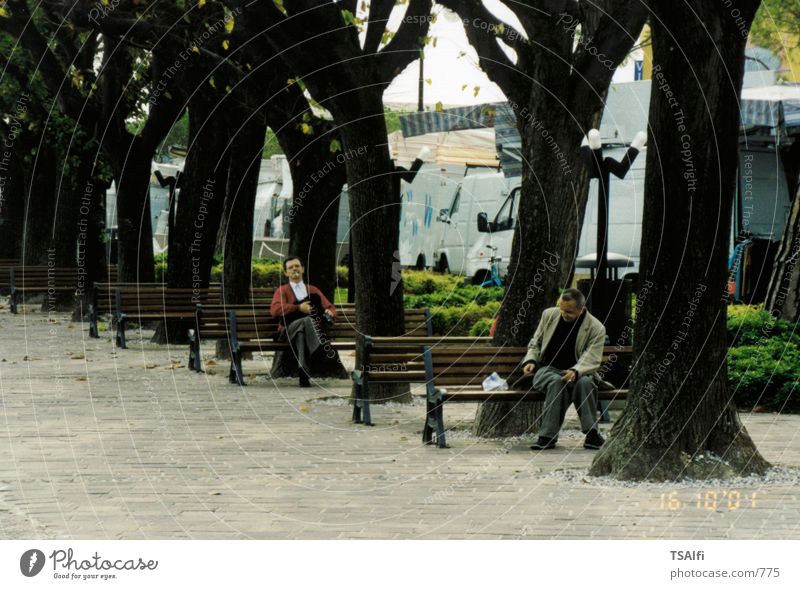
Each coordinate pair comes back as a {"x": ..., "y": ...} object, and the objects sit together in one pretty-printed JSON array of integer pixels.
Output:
[
  {"x": 200, "y": 204},
  {"x": 12, "y": 208},
  {"x": 91, "y": 249},
  {"x": 680, "y": 420},
  {"x": 236, "y": 229},
  {"x": 40, "y": 198},
  {"x": 135, "y": 231},
  {"x": 317, "y": 179},
  {"x": 375, "y": 221},
  {"x": 783, "y": 297}
]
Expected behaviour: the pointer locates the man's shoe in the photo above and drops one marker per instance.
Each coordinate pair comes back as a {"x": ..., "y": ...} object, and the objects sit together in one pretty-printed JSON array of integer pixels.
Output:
[
  {"x": 304, "y": 381},
  {"x": 544, "y": 443},
  {"x": 593, "y": 440}
]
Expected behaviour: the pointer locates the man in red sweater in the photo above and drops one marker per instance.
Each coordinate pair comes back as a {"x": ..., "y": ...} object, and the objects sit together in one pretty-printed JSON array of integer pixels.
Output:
[{"x": 301, "y": 309}]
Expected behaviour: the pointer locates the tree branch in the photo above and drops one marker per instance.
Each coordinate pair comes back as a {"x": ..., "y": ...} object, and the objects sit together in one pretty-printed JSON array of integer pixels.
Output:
[
  {"x": 492, "y": 59},
  {"x": 379, "y": 12},
  {"x": 404, "y": 47}
]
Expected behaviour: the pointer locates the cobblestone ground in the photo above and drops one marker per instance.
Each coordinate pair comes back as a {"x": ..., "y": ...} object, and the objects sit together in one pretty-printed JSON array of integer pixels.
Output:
[{"x": 104, "y": 443}]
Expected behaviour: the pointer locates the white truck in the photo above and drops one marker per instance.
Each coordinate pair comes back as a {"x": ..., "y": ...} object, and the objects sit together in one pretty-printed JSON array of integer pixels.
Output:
[
  {"x": 625, "y": 222},
  {"x": 437, "y": 222}
]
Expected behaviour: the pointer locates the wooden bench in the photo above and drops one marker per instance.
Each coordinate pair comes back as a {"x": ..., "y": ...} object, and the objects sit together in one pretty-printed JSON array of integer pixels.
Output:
[
  {"x": 452, "y": 372},
  {"x": 45, "y": 279},
  {"x": 5, "y": 277},
  {"x": 145, "y": 302},
  {"x": 212, "y": 322},
  {"x": 257, "y": 332}
]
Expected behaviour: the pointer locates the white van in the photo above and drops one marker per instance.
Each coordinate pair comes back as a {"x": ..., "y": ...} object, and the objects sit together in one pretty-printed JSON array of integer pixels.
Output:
[
  {"x": 624, "y": 232},
  {"x": 422, "y": 202},
  {"x": 478, "y": 193}
]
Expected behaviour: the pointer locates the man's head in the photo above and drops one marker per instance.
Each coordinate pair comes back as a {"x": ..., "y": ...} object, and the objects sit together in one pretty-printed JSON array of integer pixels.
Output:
[
  {"x": 571, "y": 304},
  {"x": 293, "y": 268}
]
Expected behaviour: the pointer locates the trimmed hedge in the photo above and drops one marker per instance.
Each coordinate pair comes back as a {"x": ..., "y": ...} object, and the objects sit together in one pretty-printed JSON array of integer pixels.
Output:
[
  {"x": 462, "y": 320},
  {"x": 763, "y": 360}
]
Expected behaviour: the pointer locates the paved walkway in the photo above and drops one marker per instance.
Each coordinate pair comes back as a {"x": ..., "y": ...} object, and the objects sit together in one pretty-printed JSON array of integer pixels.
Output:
[{"x": 104, "y": 443}]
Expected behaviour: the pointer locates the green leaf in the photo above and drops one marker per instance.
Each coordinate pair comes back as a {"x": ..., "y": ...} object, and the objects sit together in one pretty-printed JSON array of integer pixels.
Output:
[
  {"x": 475, "y": 90},
  {"x": 335, "y": 145}
]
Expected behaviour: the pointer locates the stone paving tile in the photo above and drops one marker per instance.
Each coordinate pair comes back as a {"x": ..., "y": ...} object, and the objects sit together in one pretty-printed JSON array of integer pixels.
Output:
[{"x": 97, "y": 442}]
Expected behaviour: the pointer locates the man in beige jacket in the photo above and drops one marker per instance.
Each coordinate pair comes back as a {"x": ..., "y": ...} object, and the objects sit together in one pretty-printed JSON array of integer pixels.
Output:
[{"x": 563, "y": 354}]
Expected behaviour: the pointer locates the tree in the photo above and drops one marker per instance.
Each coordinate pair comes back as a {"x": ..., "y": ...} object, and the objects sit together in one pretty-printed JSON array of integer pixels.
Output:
[
  {"x": 50, "y": 208},
  {"x": 566, "y": 55},
  {"x": 102, "y": 107},
  {"x": 320, "y": 41},
  {"x": 680, "y": 420}
]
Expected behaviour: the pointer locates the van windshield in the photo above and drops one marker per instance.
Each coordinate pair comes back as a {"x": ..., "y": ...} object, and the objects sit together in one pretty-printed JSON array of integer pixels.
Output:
[{"x": 505, "y": 217}]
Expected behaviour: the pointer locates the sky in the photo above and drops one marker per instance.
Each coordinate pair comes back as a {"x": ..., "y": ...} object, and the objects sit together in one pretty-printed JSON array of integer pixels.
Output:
[{"x": 452, "y": 65}]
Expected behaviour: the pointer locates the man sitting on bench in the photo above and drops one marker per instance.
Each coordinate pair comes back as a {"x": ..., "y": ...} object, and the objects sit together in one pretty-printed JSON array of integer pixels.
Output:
[
  {"x": 565, "y": 352},
  {"x": 302, "y": 308}
]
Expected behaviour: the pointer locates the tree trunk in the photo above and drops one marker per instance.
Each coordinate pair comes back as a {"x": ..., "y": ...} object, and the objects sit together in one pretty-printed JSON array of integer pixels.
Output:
[
  {"x": 200, "y": 204},
  {"x": 91, "y": 249},
  {"x": 12, "y": 208},
  {"x": 40, "y": 198},
  {"x": 317, "y": 179},
  {"x": 554, "y": 193},
  {"x": 375, "y": 220},
  {"x": 783, "y": 297},
  {"x": 236, "y": 230},
  {"x": 680, "y": 420},
  {"x": 135, "y": 232}
]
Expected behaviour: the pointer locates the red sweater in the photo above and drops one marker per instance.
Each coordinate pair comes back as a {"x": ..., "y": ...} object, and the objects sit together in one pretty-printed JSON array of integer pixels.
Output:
[{"x": 284, "y": 302}]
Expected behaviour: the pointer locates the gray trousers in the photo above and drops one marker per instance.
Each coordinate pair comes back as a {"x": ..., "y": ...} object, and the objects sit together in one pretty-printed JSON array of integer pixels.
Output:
[
  {"x": 303, "y": 336},
  {"x": 558, "y": 397}
]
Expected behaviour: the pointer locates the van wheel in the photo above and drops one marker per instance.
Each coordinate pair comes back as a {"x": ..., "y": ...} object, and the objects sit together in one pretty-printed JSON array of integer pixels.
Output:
[
  {"x": 444, "y": 267},
  {"x": 480, "y": 277},
  {"x": 420, "y": 262}
]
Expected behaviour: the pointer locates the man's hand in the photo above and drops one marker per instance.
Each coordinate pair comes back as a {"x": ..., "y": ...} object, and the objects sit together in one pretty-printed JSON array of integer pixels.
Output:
[
  {"x": 529, "y": 369},
  {"x": 569, "y": 375},
  {"x": 305, "y": 308}
]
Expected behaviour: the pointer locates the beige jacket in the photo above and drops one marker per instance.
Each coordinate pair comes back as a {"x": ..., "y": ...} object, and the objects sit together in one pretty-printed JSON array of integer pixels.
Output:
[{"x": 588, "y": 344}]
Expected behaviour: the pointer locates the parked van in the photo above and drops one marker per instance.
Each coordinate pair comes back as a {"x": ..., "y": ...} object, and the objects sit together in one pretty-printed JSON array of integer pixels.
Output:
[
  {"x": 625, "y": 222},
  {"x": 478, "y": 193}
]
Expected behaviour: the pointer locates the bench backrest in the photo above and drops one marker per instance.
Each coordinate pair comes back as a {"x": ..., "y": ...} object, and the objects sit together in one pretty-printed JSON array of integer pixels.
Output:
[
  {"x": 447, "y": 362},
  {"x": 134, "y": 298},
  {"x": 257, "y": 323},
  {"x": 43, "y": 277}
]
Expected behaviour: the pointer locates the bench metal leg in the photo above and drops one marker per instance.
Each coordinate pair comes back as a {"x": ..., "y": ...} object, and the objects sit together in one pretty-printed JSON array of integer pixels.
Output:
[
  {"x": 434, "y": 423},
  {"x": 361, "y": 412},
  {"x": 93, "y": 331},
  {"x": 121, "y": 321},
  {"x": 195, "y": 362},
  {"x": 357, "y": 404},
  {"x": 235, "y": 375}
]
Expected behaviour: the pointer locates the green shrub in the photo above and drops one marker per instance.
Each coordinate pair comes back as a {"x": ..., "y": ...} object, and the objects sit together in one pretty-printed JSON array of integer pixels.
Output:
[
  {"x": 457, "y": 297},
  {"x": 341, "y": 276},
  {"x": 460, "y": 320},
  {"x": 481, "y": 327},
  {"x": 765, "y": 375},
  {"x": 417, "y": 283},
  {"x": 751, "y": 324}
]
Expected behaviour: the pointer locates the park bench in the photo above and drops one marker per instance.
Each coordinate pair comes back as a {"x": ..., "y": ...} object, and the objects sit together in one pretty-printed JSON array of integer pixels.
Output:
[
  {"x": 144, "y": 302},
  {"x": 452, "y": 372},
  {"x": 5, "y": 276},
  {"x": 26, "y": 280},
  {"x": 257, "y": 332},
  {"x": 212, "y": 322}
]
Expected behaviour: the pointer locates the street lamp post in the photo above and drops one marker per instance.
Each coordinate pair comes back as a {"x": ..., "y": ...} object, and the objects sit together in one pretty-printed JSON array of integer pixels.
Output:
[{"x": 601, "y": 168}]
